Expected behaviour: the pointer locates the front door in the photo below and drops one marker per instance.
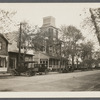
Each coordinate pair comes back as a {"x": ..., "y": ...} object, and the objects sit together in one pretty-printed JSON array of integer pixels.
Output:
[
  {"x": 12, "y": 63},
  {"x": 3, "y": 66}
]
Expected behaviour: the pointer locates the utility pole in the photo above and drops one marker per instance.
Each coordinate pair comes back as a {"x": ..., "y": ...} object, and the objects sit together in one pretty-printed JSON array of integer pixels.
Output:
[
  {"x": 20, "y": 35},
  {"x": 60, "y": 56}
]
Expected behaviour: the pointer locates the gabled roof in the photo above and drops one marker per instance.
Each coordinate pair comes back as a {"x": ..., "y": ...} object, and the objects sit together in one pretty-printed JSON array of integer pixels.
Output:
[
  {"x": 3, "y": 35},
  {"x": 12, "y": 36}
]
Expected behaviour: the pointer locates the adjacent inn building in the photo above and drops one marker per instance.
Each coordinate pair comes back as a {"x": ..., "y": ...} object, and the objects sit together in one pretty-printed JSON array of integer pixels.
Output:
[{"x": 51, "y": 53}]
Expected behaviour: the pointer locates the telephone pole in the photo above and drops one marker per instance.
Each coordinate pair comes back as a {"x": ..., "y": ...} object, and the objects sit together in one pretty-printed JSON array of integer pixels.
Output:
[
  {"x": 20, "y": 35},
  {"x": 60, "y": 56}
]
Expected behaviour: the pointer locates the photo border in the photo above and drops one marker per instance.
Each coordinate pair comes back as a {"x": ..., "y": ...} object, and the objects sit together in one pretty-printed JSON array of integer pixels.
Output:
[
  {"x": 49, "y": 1},
  {"x": 91, "y": 95}
]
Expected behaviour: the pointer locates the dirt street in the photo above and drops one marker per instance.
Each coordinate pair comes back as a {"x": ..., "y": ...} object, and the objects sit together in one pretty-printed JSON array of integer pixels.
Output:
[{"x": 76, "y": 81}]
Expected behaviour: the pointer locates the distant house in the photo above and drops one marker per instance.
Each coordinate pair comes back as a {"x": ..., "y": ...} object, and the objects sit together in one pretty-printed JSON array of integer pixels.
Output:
[
  {"x": 13, "y": 51},
  {"x": 3, "y": 53}
]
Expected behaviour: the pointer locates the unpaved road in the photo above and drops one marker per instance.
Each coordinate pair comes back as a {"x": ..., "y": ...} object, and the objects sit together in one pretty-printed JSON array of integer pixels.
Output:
[{"x": 76, "y": 81}]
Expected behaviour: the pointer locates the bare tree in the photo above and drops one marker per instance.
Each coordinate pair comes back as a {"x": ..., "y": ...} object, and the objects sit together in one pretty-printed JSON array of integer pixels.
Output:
[
  {"x": 92, "y": 22},
  {"x": 6, "y": 19},
  {"x": 25, "y": 37},
  {"x": 95, "y": 22}
]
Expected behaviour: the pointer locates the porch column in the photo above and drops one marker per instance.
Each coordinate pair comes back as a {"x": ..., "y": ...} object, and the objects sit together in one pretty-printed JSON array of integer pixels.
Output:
[
  {"x": 48, "y": 62},
  {"x": 58, "y": 63}
]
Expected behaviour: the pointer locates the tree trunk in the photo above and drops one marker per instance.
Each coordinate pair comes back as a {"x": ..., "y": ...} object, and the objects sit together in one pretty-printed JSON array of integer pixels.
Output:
[
  {"x": 77, "y": 63},
  {"x": 95, "y": 25},
  {"x": 72, "y": 62}
]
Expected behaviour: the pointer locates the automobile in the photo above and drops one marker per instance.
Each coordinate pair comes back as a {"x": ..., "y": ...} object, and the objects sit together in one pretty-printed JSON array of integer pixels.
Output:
[
  {"x": 40, "y": 68},
  {"x": 24, "y": 68}
]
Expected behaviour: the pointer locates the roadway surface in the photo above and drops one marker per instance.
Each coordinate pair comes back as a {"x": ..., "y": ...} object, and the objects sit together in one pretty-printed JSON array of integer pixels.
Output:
[{"x": 76, "y": 81}]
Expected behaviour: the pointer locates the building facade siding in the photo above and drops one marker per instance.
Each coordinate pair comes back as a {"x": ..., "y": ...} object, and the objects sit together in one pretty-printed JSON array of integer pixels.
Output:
[{"x": 4, "y": 46}]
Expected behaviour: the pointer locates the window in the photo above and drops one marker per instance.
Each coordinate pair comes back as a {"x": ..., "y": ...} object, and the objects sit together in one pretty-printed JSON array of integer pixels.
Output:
[
  {"x": 57, "y": 33},
  {"x": 41, "y": 62},
  {"x": 12, "y": 62},
  {"x": 43, "y": 48},
  {"x": 50, "y": 30},
  {"x": 46, "y": 62},
  {"x": 0, "y": 63},
  {"x": 0, "y": 45}
]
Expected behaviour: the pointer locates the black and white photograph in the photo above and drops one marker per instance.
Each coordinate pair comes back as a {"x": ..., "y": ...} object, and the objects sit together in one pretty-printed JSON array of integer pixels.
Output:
[{"x": 49, "y": 47}]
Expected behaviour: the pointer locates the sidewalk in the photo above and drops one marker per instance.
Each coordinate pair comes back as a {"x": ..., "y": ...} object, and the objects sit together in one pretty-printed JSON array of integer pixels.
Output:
[
  {"x": 53, "y": 73},
  {"x": 49, "y": 73},
  {"x": 4, "y": 74}
]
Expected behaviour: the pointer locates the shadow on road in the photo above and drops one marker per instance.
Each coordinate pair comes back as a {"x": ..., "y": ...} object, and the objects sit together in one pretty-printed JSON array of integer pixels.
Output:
[
  {"x": 5, "y": 90},
  {"x": 6, "y": 77}
]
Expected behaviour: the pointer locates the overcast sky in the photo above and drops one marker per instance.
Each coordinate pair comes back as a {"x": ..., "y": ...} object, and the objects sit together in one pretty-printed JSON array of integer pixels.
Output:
[{"x": 64, "y": 13}]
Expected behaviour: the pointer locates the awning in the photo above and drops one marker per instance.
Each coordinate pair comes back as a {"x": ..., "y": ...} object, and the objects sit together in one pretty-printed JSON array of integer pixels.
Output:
[
  {"x": 28, "y": 62},
  {"x": 50, "y": 56},
  {"x": 21, "y": 53},
  {"x": 3, "y": 56}
]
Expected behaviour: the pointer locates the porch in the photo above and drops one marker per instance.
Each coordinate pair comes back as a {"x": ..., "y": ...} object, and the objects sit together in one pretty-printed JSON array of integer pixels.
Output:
[
  {"x": 52, "y": 62},
  {"x": 3, "y": 63},
  {"x": 13, "y": 59}
]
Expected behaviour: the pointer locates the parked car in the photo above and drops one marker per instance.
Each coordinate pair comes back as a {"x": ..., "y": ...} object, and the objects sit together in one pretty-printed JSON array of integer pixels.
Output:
[
  {"x": 40, "y": 68},
  {"x": 29, "y": 71}
]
